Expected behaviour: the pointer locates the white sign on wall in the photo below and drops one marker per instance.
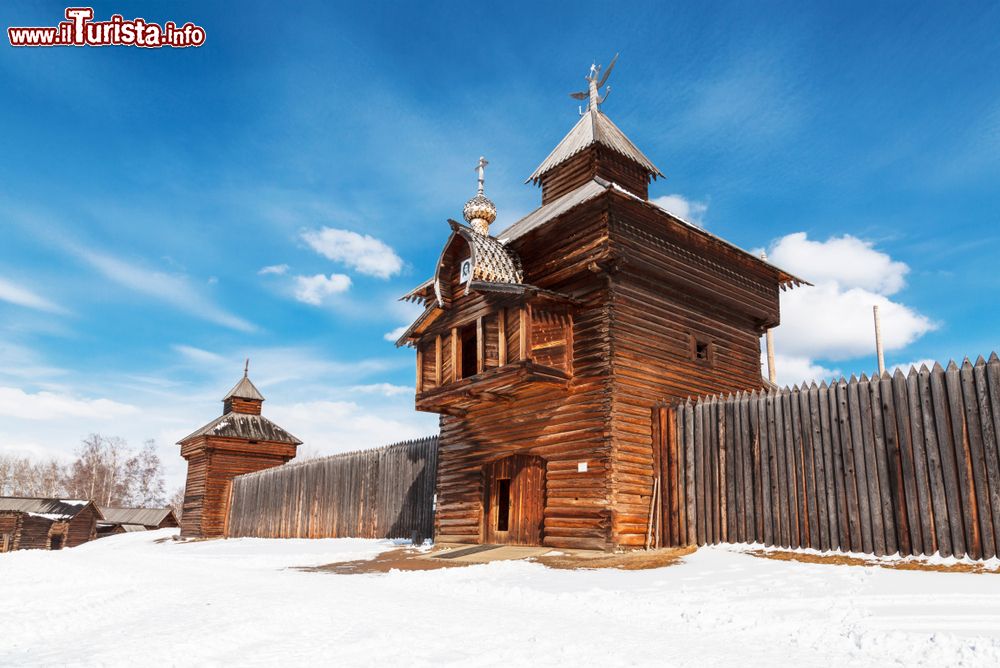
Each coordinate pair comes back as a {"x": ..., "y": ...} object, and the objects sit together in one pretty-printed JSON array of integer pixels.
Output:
[
  {"x": 465, "y": 271},
  {"x": 581, "y": 467}
]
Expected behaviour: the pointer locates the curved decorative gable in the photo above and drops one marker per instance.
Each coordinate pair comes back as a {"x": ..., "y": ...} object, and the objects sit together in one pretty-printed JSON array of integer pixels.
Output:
[{"x": 489, "y": 260}]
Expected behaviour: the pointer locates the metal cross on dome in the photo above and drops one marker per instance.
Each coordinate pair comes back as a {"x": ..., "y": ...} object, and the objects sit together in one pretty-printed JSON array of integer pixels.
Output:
[
  {"x": 481, "y": 168},
  {"x": 594, "y": 83}
]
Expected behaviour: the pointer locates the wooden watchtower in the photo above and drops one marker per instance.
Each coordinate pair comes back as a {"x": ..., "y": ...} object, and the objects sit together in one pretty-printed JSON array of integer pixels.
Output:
[
  {"x": 545, "y": 348},
  {"x": 240, "y": 441}
]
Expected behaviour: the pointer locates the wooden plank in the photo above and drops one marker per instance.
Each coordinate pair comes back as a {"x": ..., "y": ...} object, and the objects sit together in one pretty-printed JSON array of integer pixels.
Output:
[
  {"x": 759, "y": 490},
  {"x": 819, "y": 462},
  {"x": 974, "y": 434},
  {"x": 920, "y": 463},
  {"x": 885, "y": 480},
  {"x": 861, "y": 478},
  {"x": 719, "y": 413},
  {"x": 871, "y": 466},
  {"x": 502, "y": 336},
  {"x": 759, "y": 423},
  {"x": 420, "y": 370},
  {"x": 456, "y": 355},
  {"x": 846, "y": 450},
  {"x": 904, "y": 442},
  {"x": 749, "y": 470},
  {"x": 782, "y": 418},
  {"x": 836, "y": 456},
  {"x": 836, "y": 540},
  {"x": 987, "y": 418},
  {"x": 690, "y": 487},
  {"x": 952, "y": 466},
  {"x": 734, "y": 533},
  {"x": 794, "y": 438},
  {"x": 480, "y": 345},
  {"x": 804, "y": 427},
  {"x": 739, "y": 470},
  {"x": 438, "y": 361},
  {"x": 964, "y": 461},
  {"x": 935, "y": 467},
  {"x": 703, "y": 512},
  {"x": 776, "y": 438}
]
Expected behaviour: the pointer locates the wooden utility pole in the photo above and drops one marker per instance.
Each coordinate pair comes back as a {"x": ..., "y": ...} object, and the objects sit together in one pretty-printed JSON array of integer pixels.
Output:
[{"x": 878, "y": 341}]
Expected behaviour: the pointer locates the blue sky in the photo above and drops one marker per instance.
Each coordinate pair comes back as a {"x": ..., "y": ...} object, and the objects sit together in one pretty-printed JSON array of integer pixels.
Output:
[{"x": 143, "y": 191}]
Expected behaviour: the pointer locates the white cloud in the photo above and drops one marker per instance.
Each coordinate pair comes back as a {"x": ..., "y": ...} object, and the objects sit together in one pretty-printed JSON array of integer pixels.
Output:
[
  {"x": 170, "y": 288},
  {"x": 394, "y": 335},
  {"x": 828, "y": 322},
  {"x": 364, "y": 253},
  {"x": 795, "y": 370},
  {"x": 276, "y": 269},
  {"x": 314, "y": 289},
  {"x": 22, "y": 296},
  {"x": 385, "y": 389},
  {"x": 833, "y": 320},
  {"x": 846, "y": 260},
  {"x": 916, "y": 364},
  {"x": 16, "y": 403},
  {"x": 198, "y": 355},
  {"x": 689, "y": 211}
]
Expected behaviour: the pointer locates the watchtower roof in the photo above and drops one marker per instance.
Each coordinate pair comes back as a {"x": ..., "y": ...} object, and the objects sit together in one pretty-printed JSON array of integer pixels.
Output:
[
  {"x": 594, "y": 128},
  {"x": 244, "y": 389}
]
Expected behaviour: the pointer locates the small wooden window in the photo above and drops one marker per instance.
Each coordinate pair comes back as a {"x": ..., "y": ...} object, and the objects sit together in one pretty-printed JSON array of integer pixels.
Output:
[
  {"x": 470, "y": 355},
  {"x": 503, "y": 504},
  {"x": 702, "y": 350}
]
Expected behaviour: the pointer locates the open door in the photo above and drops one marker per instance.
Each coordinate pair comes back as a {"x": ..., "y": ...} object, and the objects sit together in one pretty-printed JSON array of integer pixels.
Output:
[{"x": 514, "y": 507}]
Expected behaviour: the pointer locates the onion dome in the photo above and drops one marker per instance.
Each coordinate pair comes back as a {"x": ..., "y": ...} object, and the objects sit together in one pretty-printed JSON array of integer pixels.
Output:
[{"x": 480, "y": 211}]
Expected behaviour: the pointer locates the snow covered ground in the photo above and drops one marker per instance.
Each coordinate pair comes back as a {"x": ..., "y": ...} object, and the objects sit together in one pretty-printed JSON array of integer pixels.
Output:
[{"x": 127, "y": 600}]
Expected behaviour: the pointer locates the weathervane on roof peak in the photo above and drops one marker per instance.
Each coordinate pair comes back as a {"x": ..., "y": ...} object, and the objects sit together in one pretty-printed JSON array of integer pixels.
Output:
[
  {"x": 246, "y": 368},
  {"x": 594, "y": 84}
]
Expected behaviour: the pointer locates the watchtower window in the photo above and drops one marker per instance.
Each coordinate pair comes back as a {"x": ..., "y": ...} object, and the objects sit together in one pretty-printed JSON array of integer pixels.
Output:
[
  {"x": 469, "y": 351},
  {"x": 701, "y": 350},
  {"x": 503, "y": 504}
]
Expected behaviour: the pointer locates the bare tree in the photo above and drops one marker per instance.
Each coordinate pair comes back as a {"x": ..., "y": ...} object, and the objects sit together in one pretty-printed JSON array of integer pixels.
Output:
[
  {"x": 144, "y": 473},
  {"x": 177, "y": 501}
]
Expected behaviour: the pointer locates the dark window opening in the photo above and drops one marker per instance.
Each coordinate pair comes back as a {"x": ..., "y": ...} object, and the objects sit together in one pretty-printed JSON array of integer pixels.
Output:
[
  {"x": 503, "y": 504},
  {"x": 701, "y": 350},
  {"x": 55, "y": 543},
  {"x": 469, "y": 351}
]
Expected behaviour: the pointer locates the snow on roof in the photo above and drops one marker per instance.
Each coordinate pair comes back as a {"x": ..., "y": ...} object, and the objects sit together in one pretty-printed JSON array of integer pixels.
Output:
[
  {"x": 57, "y": 510},
  {"x": 244, "y": 426}
]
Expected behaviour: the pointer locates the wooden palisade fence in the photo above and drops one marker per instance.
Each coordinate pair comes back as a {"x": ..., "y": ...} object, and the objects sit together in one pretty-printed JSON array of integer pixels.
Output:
[
  {"x": 380, "y": 493},
  {"x": 903, "y": 463}
]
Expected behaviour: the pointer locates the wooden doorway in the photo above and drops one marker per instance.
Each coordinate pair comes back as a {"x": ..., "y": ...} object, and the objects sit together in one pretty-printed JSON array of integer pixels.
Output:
[{"x": 514, "y": 503}]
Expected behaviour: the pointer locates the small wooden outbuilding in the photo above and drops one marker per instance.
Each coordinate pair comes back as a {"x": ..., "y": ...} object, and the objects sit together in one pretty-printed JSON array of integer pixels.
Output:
[
  {"x": 125, "y": 520},
  {"x": 46, "y": 524}
]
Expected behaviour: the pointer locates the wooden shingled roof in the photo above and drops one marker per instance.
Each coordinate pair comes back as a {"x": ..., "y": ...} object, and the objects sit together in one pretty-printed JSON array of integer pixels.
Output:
[
  {"x": 143, "y": 516},
  {"x": 244, "y": 426},
  {"x": 593, "y": 128},
  {"x": 57, "y": 510},
  {"x": 244, "y": 390}
]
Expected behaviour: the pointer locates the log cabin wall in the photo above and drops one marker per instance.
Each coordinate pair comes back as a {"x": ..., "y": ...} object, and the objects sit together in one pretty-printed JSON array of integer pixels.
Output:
[
  {"x": 10, "y": 531},
  {"x": 83, "y": 527},
  {"x": 672, "y": 336},
  {"x": 564, "y": 426}
]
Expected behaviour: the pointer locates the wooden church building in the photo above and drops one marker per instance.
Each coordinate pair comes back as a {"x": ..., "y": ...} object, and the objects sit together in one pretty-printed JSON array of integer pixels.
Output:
[
  {"x": 544, "y": 348},
  {"x": 240, "y": 441}
]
